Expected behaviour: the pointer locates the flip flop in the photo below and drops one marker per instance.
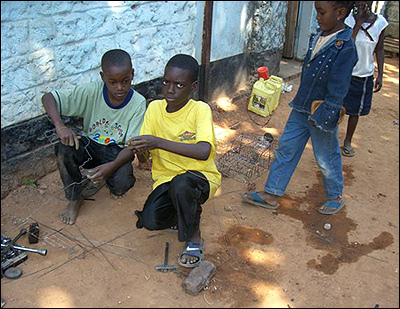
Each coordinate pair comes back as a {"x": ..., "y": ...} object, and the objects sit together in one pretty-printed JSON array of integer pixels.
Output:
[
  {"x": 348, "y": 151},
  {"x": 192, "y": 249},
  {"x": 254, "y": 199},
  {"x": 332, "y": 207},
  {"x": 89, "y": 189}
]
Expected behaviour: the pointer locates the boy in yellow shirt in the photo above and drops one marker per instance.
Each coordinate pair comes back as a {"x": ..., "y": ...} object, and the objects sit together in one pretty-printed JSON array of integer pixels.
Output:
[{"x": 179, "y": 134}]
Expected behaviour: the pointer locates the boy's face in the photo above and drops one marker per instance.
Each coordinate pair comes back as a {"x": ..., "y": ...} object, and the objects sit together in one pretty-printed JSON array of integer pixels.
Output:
[
  {"x": 329, "y": 17},
  {"x": 118, "y": 82},
  {"x": 177, "y": 86}
]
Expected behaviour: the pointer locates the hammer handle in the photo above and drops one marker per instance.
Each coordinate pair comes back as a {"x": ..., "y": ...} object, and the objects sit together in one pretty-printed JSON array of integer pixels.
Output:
[{"x": 166, "y": 254}]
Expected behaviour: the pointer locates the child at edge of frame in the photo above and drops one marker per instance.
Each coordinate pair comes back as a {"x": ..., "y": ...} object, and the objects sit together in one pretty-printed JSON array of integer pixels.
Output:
[
  {"x": 317, "y": 111},
  {"x": 178, "y": 133}
]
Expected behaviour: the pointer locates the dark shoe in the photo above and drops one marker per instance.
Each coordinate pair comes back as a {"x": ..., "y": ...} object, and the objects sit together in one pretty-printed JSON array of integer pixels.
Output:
[{"x": 139, "y": 223}]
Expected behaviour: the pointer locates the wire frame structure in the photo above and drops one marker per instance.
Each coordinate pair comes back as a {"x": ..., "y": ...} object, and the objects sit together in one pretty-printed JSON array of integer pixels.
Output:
[{"x": 248, "y": 159}]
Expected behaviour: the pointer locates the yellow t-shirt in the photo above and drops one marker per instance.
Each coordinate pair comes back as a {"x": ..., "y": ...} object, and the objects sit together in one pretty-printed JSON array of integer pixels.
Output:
[{"x": 191, "y": 124}]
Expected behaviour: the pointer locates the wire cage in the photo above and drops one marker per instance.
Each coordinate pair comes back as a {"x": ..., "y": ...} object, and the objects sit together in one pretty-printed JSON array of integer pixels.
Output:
[{"x": 248, "y": 159}]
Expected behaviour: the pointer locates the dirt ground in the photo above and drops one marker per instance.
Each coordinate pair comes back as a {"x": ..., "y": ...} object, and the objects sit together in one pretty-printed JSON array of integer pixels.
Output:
[{"x": 264, "y": 258}]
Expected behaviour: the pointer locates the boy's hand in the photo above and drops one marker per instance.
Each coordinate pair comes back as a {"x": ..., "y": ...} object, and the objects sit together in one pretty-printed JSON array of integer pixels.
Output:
[
  {"x": 101, "y": 172},
  {"x": 362, "y": 15},
  {"x": 143, "y": 143},
  {"x": 378, "y": 85},
  {"x": 67, "y": 137}
]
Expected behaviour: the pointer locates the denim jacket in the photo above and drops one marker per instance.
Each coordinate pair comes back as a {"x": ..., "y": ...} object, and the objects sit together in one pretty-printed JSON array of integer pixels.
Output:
[{"x": 326, "y": 77}]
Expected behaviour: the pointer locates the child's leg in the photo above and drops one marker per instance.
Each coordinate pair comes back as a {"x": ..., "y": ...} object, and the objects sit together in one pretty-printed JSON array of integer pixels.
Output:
[
  {"x": 288, "y": 154},
  {"x": 121, "y": 180},
  {"x": 68, "y": 161},
  {"x": 327, "y": 153},
  {"x": 188, "y": 191},
  {"x": 176, "y": 202},
  {"x": 351, "y": 129},
  {"x": 158, "y": 211}
]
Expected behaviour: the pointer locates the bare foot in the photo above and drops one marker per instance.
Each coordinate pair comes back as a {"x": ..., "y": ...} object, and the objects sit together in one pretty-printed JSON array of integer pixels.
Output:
[{"x": 68, "y": 216}]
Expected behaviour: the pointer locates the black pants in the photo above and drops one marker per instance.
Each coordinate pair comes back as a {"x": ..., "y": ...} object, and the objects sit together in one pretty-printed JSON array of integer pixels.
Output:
[
  {"x": 69, "y": 160},
  {"x": 177, "y": 202}
]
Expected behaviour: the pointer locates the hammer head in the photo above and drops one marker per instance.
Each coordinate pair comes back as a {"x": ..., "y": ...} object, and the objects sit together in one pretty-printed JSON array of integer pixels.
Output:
[{"x": 166, "y": 268}]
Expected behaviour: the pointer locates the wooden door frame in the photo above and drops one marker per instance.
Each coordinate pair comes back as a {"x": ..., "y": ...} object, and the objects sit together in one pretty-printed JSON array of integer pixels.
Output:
[{"x": 291, "y": 27}]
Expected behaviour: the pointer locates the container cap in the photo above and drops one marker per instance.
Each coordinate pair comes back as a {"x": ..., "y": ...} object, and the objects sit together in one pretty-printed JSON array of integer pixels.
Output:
[{"x": 263, "y": 73}]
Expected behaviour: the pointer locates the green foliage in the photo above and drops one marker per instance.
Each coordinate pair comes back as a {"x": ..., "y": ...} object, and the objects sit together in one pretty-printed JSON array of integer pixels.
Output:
[{"x": 30, "y": 182}]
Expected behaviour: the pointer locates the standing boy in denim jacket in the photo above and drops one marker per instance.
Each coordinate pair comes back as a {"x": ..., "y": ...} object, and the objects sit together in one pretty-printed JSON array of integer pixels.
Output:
[{"x": 317, "y": 110}]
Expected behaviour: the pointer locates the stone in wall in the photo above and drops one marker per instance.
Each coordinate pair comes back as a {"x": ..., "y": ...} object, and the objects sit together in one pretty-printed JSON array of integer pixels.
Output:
[
  {"x": 391, "y": 12},
  {"x": 266, "y": 41}
]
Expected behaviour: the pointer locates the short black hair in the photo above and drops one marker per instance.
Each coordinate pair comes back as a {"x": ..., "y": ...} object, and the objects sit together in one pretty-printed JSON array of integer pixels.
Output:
[
  {"x": 185, "y": 62},
  {"x": 348, "y": 5},
  {"x": 116, "y": 57}
]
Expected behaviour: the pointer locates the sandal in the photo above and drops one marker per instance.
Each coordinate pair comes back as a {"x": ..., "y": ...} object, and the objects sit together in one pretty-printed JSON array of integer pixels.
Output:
[
  {"x": 332, "y": 207},
  {"x": 348, "y": 151},
  {"x": 254, "y": 199},
  {"x": 89, "y": 189},
  {"x": 192, "y": 249}
]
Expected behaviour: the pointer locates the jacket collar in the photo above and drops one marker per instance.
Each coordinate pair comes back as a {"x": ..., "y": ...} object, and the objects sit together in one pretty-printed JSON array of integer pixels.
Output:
[{"x": 341, "y": 37}]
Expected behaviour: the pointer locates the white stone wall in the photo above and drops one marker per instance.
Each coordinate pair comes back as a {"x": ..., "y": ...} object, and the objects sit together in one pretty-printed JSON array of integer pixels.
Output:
[{"x": 49, "y": 45}]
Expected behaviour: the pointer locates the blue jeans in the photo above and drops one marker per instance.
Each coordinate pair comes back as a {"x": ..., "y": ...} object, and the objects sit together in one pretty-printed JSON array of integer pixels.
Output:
[{"x": 326, "y": 148}]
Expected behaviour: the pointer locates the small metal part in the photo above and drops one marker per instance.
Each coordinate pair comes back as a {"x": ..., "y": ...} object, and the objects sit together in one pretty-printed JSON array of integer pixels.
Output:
[
  {"x": 327, "y": 226},
  {"x": 13, "y": 273}
]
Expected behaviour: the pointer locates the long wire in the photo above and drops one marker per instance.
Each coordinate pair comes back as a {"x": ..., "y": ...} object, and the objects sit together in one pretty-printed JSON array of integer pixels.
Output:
[
  {"x": 201, "y": 177},
  {"x": 58, "y": 192}
]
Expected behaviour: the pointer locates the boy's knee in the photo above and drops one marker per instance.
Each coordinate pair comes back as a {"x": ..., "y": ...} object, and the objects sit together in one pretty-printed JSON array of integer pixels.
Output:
[
  {"x": 64, "y": 153},
  {"x": 146, "y": 221},
  {"x": 60, "y": 149},
  {"x": 119, "y": 188},
  {"x": 180, "y": 184}
]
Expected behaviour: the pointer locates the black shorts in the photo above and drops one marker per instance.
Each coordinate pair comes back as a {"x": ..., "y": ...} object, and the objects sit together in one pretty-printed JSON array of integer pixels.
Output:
[{"x": 358, "y": 101}]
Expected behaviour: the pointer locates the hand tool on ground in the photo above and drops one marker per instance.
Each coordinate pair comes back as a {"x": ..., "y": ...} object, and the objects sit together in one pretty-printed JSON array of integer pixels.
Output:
[
  {"x": 166, "y": 268},
  {"x": 13, "y": 254}
]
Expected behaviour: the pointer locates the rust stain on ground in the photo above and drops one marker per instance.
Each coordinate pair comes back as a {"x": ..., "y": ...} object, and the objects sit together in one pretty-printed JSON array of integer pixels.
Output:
[
  {"x": 335, "y": 241},
  {"x": 235, "y": 271}
]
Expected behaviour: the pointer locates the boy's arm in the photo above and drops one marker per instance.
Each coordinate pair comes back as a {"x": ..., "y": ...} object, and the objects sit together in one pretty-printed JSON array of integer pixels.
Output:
[
  {"x": 326, "y": 116},
  {"x": 66, "y": 135},
  {"x": 200, "y": 151},
  {"x": 380, "y": 58}
]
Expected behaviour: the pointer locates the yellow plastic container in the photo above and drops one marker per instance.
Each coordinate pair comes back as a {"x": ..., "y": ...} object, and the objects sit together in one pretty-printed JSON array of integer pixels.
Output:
[{"x": 265, "y": 96}]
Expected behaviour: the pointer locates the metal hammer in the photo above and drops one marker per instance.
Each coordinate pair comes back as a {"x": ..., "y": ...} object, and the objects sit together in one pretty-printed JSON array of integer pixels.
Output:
[{"x": 166, "y": 268}]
